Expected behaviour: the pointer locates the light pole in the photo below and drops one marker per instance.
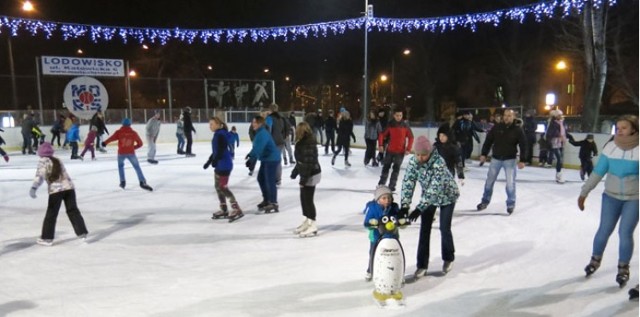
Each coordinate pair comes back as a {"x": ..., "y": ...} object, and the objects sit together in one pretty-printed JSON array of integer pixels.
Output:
[
  {"x": 405, "y": 52},
  {"x": 368, "y": 12},
  {"x": 562, "y": 65},
  {"x": 27, "y": 6}
]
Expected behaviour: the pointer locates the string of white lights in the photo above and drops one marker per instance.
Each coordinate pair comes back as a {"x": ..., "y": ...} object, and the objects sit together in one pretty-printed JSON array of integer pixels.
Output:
[{"x": 538, "y": 11}]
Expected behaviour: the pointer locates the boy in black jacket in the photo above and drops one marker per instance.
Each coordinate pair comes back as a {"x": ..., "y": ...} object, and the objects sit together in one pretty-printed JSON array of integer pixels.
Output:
[
  {"x": 587, "y": 148},
  {"x": 450, "y": 152}
]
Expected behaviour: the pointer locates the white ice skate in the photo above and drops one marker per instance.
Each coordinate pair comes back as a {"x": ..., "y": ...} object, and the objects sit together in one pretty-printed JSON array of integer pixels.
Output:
[{"x": 310, "y": 231}]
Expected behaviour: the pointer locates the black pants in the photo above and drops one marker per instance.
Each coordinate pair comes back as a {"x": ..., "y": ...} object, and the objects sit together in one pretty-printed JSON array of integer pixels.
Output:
[
  {"x": 306, "y": 200},
  {"x": 389, "y": 159},
  {"x": 26, "y": 143},
  {"x": 331, "y": 136},
  {"x": 426, "y": 220},
  {"x": 370, "y": 153},
  {"x": 56, "y": 135},
  {"x": 586, "y": 166},
  {"x": 339, "y": 149},
  {"x": 189, "y": 142},
  {"x": 55, "y": 200}
]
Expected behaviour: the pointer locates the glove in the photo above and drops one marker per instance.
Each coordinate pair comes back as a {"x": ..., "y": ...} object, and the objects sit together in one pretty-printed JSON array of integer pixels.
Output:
[
  {"x": 294, "y": 173},
  {"x": 249, "y": 162},
  {"x": 303, "y": 181},
  {"x": 104, "y": 144},
  {"x": 403, "y": 213},
  {"x": 414, "y": 215},
  {"x": 373, "y": 223},
  {"x": 207, "y": 163},
  {"x": 354, "y": 140},
  {"x": 32, "y": 192}
]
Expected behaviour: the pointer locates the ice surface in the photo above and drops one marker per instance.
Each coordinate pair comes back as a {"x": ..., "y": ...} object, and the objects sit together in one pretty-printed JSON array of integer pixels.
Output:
[{"x": 160, "y": 254}]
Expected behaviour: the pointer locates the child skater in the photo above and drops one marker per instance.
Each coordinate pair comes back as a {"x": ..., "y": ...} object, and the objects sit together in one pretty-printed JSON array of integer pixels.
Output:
[
  {"x": 234, "y": 141},
  {"x": 587, "y": 148},
  {"x": 222, "y": 162},
  {"x": 60, "y": 187},
  {"x": 381, "y": 205},
  {"x": 544, "y": 158},
  {"x": 89, "y": 143}
]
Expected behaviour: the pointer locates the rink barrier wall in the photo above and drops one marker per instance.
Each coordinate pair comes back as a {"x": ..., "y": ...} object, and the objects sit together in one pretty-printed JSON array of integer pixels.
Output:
[{"x": 13, "y": 138}]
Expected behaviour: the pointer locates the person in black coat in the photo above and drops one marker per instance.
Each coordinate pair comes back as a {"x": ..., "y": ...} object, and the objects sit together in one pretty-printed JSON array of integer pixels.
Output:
[
  {"x": 98, "y": 121},
  {"x": 450, "y": 152},
  {"x": 308, "y": 168},
  {"x": 330, "y": 132},
  {"x": 587, "y": 148},
  {"x": 345, "y": 132},
  {"x": 188, "y": 129}
]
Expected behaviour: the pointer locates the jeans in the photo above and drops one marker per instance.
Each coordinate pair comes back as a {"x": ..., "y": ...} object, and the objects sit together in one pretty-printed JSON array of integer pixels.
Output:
[
  {"x": 151, "y": 143},
  {"x": 316, "y": 132},
  {"x": 134, "y": 162},
  {"x": 447, "y": 248},
  {"x": 558, "y": 154},
  {"x": 180, "y": 137},
  {"x": 612, "y": 210},
  {"x": 267, "y": 181},
  {"x": 510, "y": 174},
  {"x": 288, "y": 151}
]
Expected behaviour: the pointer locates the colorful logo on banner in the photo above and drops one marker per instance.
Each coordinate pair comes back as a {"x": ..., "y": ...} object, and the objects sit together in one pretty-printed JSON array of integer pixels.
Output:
[{"x": 84, "y": 96}]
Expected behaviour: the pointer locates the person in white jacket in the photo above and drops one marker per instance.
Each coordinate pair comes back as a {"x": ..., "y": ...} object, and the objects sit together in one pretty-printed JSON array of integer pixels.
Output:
[
  {"x": 60, "y": 188},
  {"x": 619, "y": 161}
]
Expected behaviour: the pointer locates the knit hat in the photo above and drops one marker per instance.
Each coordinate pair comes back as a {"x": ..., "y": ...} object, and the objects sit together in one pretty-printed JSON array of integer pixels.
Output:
[
  {"x": 422, "y": 145},
  {"x": 443, "y": 129},
  {"x": 126, "y": 122},
  {"x": 45, "y": 150},
  {"x": 555, "y": 112},
  {"x": 382, "y": 190},
  {"x": 589, "y": 136}
]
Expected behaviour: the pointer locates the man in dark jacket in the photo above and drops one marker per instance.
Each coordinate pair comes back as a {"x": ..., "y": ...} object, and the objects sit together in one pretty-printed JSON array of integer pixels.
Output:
[
  {"x": 330, "y": 131},
  {"x": 464, "y": 132},
  {"x": 503, "y": 140},
  {"x": 278, "y": 126},
  {"x": 188, "y": 129},
  {"x": 98, "y": 121},
  {"x": 27, "y": 125}
]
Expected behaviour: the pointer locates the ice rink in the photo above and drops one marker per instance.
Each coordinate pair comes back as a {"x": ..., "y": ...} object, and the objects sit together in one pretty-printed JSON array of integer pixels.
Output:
[{"x": 160, "y": 254}]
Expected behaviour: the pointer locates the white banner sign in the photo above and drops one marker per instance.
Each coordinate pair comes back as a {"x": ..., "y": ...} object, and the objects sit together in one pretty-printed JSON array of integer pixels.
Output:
[
  {"x": 81, "y": 66},
  {"x": 84, "y": 96}
]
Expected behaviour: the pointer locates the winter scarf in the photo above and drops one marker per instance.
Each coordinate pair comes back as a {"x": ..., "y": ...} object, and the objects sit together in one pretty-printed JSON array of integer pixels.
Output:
[{"x": 626, "y": 142}]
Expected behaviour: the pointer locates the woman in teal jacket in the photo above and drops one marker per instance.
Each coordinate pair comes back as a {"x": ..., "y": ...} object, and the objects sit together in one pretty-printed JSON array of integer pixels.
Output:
[{"x": 439, "y": 189}]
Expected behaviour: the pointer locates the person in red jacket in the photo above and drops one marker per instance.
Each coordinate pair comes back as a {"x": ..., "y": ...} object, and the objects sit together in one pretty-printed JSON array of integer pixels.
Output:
[
  {"x": 400, "y": 141},
  {"x": 128, "y": 142}
]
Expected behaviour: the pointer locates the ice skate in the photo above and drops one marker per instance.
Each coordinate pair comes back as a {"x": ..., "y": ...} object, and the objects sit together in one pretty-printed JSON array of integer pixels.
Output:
[
  {"x": 559, "y": 178},
  {"x": 482, "y": 206},
  {"x": 222, "y": 213},
  {"x": 447, "y": 266},
  {"x": 593, "y": 265},
  {"x": 347, "y": 164},
  {"x": 45, "y": 242},
  {"x": 420, "y": 273},
  {"x": 623, "y": 274},
  {"x": 144, "y": 186},
  {"x": 236, "y": 213},
  {"x": 271, "y": 208},
  {"x": 123, "y": 184},
  {"x": 311, "y": 230},
  {"x": 262, "y": 205},
  {"x": 633, "y": 293},
  {"x": 302, "y": 227},
  {"x": 368, "y": 277}
]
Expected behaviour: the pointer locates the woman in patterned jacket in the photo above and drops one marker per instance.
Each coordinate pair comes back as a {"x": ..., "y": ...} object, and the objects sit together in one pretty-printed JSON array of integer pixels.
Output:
[
  {"x": 439, "y": 189},
  {"x": 61, "y": 188}
]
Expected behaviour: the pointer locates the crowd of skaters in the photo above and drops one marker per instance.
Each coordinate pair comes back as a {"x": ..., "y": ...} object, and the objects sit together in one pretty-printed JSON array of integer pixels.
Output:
[{"x": 509, "y": 144}]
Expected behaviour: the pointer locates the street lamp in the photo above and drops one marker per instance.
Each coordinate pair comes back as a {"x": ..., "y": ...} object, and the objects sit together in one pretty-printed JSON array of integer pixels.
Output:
[
  {"x": 562, "y": 65},
  {"x": 405, "y": 52}
]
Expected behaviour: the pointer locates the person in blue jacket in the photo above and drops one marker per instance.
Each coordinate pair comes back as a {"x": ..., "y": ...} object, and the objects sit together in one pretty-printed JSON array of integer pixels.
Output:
[
  {"x": 73, "y": 136},
  {"x": 234, "y": 141},
  {"x": 382, "y": 205},
  {"x": 221, "y": 160},
  {"x": 265, "y": 150}
]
